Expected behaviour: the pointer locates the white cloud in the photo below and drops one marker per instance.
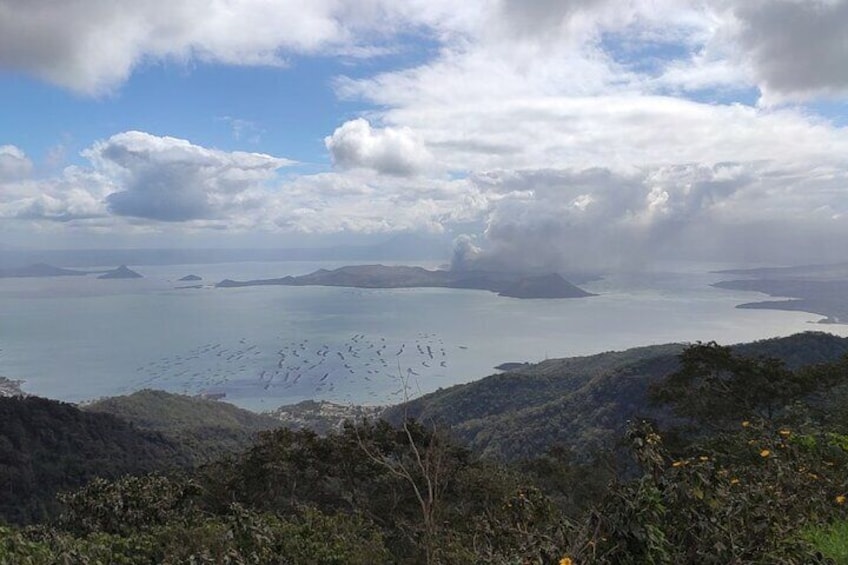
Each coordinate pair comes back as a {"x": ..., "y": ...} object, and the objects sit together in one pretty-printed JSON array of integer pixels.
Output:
[
  {"x": 391, "y": 151},
  {"x": 142, "y": 177},
  {"x": 787, "y": 47},
  {"x": 366, "y": 203},
  {"x": 75, "y": 194},
  {"x": 576, "y": 129},
  {"x": 796, "y": 48},
  {"x": 92, "y": 46},
  {"x": 139, "y": 182},
  {"x": 574, "y": 219},
  {"x": 169, "y": 179},
  {"x": 586, "y": 158},
  {"x": 13, "y": 163}
]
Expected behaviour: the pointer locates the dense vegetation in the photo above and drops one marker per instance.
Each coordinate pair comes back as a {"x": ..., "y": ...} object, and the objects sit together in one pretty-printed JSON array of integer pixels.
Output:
[
  {"x": 48, "y": 446},
  {"x": 749, "y": 464},
  {"x": 206, "y": 428},
  {"x": 581, "y": 404}
]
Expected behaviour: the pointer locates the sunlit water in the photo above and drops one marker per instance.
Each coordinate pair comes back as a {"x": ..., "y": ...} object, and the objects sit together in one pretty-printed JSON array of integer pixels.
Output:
[{"x": 80, "y": 338}]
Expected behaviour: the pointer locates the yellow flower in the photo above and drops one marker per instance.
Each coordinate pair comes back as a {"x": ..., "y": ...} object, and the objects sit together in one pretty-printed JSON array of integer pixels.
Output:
[
  {"x": 746, "y": 423},
  {"x": 765, "y": 453},
  {"x": 840, "y": 499},
  {"x": 734, "y": 481},
  {"x": 566, "y": 561},
  {"x": 704, "y": 458},
  {"x": 785, "y": 433}
]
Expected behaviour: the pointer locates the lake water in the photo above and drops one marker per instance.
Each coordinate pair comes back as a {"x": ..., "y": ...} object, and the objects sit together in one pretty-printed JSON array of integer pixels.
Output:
[{"x": 78, "y": 338}]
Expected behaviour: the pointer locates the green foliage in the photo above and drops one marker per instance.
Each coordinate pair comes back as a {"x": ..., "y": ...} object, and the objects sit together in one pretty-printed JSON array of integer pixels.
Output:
[
  {"x": 239, "y": 537},
  {"x": 830, "y": 540},
  {"x": 573, "y": 482},
  {"x": 584, "y": 403},
  {"x": 48, "y": 446},
  {"x": 125, "y": 505},
  {"x": 207, "y": 429},
  {"x": 741, "y": 500},
  {"x": 374, "y": 469},
  {"x": 763, "y": 481},
  {"x": 715, "y": 386}
]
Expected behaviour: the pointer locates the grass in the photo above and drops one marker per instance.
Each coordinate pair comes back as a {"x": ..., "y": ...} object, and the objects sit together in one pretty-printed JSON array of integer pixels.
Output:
[{"x": 831, "y": 540}]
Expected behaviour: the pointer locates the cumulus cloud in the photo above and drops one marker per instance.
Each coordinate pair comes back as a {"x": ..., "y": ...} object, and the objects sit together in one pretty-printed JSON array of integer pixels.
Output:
[
  {"x": 796, "y": 48},
  {"x": 392, "y": 151},
  {"x": 136, "y": 181},
  {"x": 13, "y": 163},
  {"x": 581, "y": 131},
  {"x": 574, "y": 220},
  {"x": 793, "y": 47},
  {"x": 145, "y": 178},
  {"x": 587, "y": 157},
  {"x": 169, "y": 179},
  {"x": 75, "y": 194},
  {"x": 92, "y": 46}
]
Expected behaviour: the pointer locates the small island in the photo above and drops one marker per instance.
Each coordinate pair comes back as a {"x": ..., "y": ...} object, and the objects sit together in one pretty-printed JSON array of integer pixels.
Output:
[
  {"x": 191, "y": 278},
  {"x": 515, "y": 285},
  {"x": 122, "y": 272}
]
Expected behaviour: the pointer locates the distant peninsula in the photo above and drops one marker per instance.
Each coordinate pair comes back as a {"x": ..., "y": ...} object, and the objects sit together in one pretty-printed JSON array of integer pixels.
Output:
[
  {"x": 40, "y": 270},
  {"x": 817, "y": 289},
  {"x": 380, "y": 276},
  {"x": 122, "y": 272}
]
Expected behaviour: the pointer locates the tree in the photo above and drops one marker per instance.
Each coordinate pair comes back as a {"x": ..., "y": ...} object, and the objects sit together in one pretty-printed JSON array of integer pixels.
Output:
[{"x": 717, "y": 388}]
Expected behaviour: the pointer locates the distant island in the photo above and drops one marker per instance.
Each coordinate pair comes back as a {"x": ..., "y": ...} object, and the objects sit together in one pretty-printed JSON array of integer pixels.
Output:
[
  {"x": 122, "y": 272},
  {"x": 380, "y": 276},
  {"x": 40, "y": 270},
  {"x": 817, "y": 289},
  {"x": 191, "y": 278}
]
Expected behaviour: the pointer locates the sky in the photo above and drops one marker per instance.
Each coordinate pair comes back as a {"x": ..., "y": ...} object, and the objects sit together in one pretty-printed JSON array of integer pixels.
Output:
[{"x": 537, "y": 134}]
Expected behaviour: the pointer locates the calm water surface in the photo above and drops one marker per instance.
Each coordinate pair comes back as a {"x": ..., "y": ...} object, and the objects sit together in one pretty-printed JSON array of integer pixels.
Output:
[{"x": 80, "y": 338}]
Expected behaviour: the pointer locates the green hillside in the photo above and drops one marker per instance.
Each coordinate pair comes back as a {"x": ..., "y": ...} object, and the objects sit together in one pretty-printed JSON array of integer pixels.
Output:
[
  {"x": 745, "y": 461},
  {"x": 582, "y": 403},
  {"x": 208, "y": 429},
  {"x": 48, "y": 446}
]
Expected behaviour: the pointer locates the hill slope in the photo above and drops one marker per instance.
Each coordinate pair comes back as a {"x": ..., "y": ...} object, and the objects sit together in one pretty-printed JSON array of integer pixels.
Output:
[
  {"x": 208, "y": 428},
  {"x": 582, "y": 403},
  {"x": 48, "y": 446}
]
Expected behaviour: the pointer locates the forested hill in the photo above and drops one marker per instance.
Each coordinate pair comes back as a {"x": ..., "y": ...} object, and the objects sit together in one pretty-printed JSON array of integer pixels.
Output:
[
  {"x": 207, "y": 428},
  {"x": 48, "y": 446},
  {"x": 581, "y": 403},
  {"x": 746, "y": 462}
]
